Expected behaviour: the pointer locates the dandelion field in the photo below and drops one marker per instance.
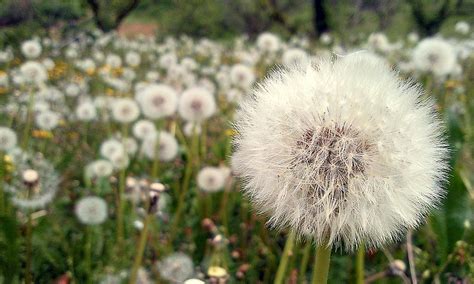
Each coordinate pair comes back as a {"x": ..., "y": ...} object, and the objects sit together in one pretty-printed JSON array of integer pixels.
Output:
[{"x": 117, "y": 162}]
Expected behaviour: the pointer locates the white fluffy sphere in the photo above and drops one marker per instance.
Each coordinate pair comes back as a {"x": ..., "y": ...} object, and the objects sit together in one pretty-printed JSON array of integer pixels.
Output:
[
  {"x": 91, "y": 210},
  {"x": 143, "y": 129},
  {"x": 165, "y": 151},
  {"x": 125, "y": 110},
  {"x": 211, "y": 179},
  {"x": 342, "y": 152},
  {"x": 435, "y": 55},
  {"x": 8, "y": 138},
  {"x": 47, "y": 120},
  {"x": 31, "y": 49},
  {"x": 196, "y": 104},
  {"x": 86, "y": 111},
  {"x": 158, "y": 100}
]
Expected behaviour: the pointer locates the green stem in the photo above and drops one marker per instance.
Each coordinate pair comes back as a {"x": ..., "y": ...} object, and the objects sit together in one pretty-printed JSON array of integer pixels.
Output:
[
  {"x": 120, "y": 227},
  {"x": 88, "y": 254},
  {"x": 140, "y": 250},
  {"x": 321, "y": 265},
  {"x": 2, "y": 194},
  {"x": 287, "y": 252},
  {"x": 304, "y": 261},
  {"x": 156, "y": 162},
  {"x": 29, "y": 121},
  {"x": 29, "y": 250},
  {"x": 360, "y": 264},
  {"x": 185, "y": 186},
  {"x": 203, "y": 141},
  {"x": 120, "y": 203}
]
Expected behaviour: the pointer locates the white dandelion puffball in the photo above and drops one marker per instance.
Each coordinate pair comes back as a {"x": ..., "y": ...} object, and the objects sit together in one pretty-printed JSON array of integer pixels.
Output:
[
  {"x": 34, "y": 72},
  {"x": 242, "y": 76},
  {"x": 462, "y": 27},
  {"x": 86, "y": 111},
  {"x": 113, "y": 60},
  {"x": 378, "y": 42},
  {"x": 130, "y": 145},
  {"x": 294, "y": 56},
  {"x": 102, "y": 168},
  {"x": 191, "y": 128},
  {"x": 165, "y": 151},
  {"x": 268, "y": 42},
  {"x": 143, "y": 129},
  {"x": 8, "y": 138},
  {"x": 158, "y": 100},
  {"x": 120, "y": 161},
  {"x": 132, "y": 59},
  {"x": 31, "y": 49},
  {"x": 91, "y": 210},
  {"x": 176, "y": 267},
  {"x": 125, "y": 110},
  {"x": 47, "y": 120},
  {"x": 111, "y": 147},
  {"x": 211, "y": 179},
  {"x": 341, "y": 152},
  {"x": 434, "y": 55},
  {"x": 196, "y": 104},
  {"x": 34, "y": 181}
]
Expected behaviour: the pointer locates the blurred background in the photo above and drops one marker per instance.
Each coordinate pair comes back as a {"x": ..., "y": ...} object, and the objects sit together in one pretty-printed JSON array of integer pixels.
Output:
[{"x": 350, "y": 20}]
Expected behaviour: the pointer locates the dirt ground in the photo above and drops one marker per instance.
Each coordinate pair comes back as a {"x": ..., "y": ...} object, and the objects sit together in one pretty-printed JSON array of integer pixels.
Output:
[{"x": 134, "y": 29}]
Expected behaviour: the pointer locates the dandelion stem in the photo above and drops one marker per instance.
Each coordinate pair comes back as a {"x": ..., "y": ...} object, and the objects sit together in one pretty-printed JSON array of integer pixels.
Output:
[
  {"x": 2, "y": 194},
  {"x": 203, "y": 140},
  {"x": 120, "y": 228},
  {"x": 29, "y": 121},
  {"x": 88, "y": 254},
  {"x": 321, "y": 265},
  {"x": 120, "y": 205},
  {"x": 29, "y": 250},
  {"x": 156, "y": 160},
  {"x": 287, "y": 252},
  {"x": 29, "y": 244},
  {"x": 304, "y": 261},
  {"x": 185, "y": 186},
  {"x": 140, "y": 250},
  {"x": 360, "y": 264},
  {"x": 411, "y": 257}
]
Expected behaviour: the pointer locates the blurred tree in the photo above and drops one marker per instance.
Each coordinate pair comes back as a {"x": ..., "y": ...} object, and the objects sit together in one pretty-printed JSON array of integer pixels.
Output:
[
  {"x": 108, "y": 14},
  {"x": 430, "y": 15},
  {"x": 320, "y": 16},
  {"x": 15, "y": 12}
]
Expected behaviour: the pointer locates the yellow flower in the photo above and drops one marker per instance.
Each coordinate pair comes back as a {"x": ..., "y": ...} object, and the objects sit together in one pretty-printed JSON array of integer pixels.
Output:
[
  {"x": 451, "y": 84},
  {"x": 216, "y": 271},
  {"x": 42, "y": 134}
]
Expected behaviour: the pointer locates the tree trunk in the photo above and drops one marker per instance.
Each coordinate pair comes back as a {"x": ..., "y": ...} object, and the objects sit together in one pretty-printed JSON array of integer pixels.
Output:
[
  {"x": 106, "y": 17},
  {"x": 429, "y": 25},
  {"x": 320, "y": 17}
]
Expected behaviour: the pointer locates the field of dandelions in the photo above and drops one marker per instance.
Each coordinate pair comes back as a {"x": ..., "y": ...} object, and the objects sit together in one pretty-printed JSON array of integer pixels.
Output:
[{"x": 117, "y": 159}]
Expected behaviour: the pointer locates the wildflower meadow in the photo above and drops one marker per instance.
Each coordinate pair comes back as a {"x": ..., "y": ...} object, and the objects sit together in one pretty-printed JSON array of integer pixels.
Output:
[{"x": 234, "y": 156}]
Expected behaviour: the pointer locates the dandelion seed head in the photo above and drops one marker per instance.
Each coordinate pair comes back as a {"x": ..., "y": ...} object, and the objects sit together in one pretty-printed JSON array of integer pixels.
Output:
[
  {"x": 8, "y": 138},
  {"x": 341, "y": 152},
  {"x": 125, "y": 110},
  {"x": 196, "y": 104},
  {"x": 158, "y": 101},
  {"x": 176, "y": 267},
  {"x": 91, "y": 210},
  {"x": 434, "y": 55},
  {"x": 211, "y": 179}
]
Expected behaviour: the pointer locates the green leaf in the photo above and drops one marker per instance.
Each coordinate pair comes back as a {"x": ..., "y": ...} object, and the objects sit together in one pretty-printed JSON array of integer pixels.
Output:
[
  {"x": 448, "y": 221},
  {"x": 9, "y": 252}
]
